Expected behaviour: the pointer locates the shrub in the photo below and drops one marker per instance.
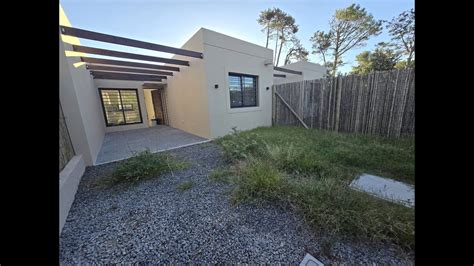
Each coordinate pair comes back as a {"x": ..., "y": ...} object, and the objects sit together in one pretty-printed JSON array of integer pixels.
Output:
[
  {"x": 238, "y": 146},
  {"x": 143, "y": 165}
]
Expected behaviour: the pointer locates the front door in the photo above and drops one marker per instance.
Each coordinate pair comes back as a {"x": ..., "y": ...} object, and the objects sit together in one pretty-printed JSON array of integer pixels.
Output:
[{"x": 158, "y": 106}]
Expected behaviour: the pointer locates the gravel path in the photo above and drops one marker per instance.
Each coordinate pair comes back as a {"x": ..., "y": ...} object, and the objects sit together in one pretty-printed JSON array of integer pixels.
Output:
[{"x": 154, "y": 222}]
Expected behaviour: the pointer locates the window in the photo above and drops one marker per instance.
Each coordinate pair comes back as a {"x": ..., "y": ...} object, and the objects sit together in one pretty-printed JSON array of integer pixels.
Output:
[
  {"x": 242, "y": 90},
  {"x": 121, "y": 106}
]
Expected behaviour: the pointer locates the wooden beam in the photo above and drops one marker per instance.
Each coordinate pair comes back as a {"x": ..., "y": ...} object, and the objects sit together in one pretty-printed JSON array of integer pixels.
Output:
[
  {"x": 125, "y": 77},
  {"x": 129, "y": 70},
  {"x": 98, "y": 51},
  {"x": 127, "y": 74},
  {"x": 96, "y": 36},
  {"x": 292, "y": 111},
  {"x": 126, "y": 63},
  {"x": 152, "y": 86},
  {"x": 279, "y": 75},
  {"x": 288, "y": 70}
]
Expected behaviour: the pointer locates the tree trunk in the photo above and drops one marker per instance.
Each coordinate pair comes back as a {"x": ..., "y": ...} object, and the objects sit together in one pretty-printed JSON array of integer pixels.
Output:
[
  {"x": 409, "y": 60},
  {"x": 334, "y": 67},
  {"x": 279, "y": 52},
  {"x": 276, "y": 47},
  {"x": 268, "y": 35}
]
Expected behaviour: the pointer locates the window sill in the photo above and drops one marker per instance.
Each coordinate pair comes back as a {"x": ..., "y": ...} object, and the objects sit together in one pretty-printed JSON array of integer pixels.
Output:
[{"x": 244, "y": 109}]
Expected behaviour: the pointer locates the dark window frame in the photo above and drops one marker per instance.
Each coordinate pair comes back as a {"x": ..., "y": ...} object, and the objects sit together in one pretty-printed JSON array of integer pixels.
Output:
[
  {"x": 107, "y": 124},
  {"x": 241, "y": 76}
]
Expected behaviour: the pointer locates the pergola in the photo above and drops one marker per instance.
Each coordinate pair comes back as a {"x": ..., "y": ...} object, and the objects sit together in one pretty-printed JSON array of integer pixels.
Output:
[{"x": 127, "y": 70}]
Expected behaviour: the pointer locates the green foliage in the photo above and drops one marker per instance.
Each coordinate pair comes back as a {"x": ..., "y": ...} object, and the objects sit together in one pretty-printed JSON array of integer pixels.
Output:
[
  {"x": 349, "y": 28},
  {"x": 239, "y": 146},
  {"x": 310, "y": 170},
  {"x": 296, "y": 51},
  {"x": 220, "y": 175},
  {"x": 402, "y": 31},
  {"x": 185, "y": 185},
  {"x": 258, "y": 180},
  {"x": 381, "y": 59},
  {"x": 144, "y": 165}
]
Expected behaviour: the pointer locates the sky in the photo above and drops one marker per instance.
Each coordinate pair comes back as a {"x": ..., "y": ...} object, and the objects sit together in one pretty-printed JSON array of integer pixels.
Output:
[{"x": 173, "y": 22}]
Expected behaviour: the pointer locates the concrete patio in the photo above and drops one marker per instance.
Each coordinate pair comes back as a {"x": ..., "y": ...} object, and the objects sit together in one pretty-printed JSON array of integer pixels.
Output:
[{"x": 124, "y": 144}]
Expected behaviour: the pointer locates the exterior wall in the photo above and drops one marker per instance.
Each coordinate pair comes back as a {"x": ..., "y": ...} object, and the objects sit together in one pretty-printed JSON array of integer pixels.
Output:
[
  {"x": 123, "y": 84},
  {"x": 69, "y": 179},
  {"x": 80, "y": 100},
  {"x": 186, "y": 93},
  {"x": 224, "y": 54},
  {"x": 150, "y": 111},
  {"x": 310, "y": 71}
]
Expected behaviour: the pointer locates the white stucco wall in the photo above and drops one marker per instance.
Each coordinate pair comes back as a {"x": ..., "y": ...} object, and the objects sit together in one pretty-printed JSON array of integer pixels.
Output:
[
  {"x": 80, "y": 100},
  {"x": 224, "y": 54},
  {"x": 310, "y": 71},
  {"x": 123, "y": 84},
  {"x": 186, "y": 92}
]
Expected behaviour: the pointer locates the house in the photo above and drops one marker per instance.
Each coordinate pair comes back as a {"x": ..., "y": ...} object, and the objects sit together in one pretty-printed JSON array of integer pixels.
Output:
[
  {"x": 212, "y": 84},
  {"x": 301, "y": 70}
]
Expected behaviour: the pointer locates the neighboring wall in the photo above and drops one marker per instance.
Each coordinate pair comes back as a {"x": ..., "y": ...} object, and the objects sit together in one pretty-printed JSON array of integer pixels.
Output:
[
  {"x": 186, "y": 93},
  {"x": 310, "y": 71},
  {"x": 123, "y": 84},
  {"x": 224, "y": 54},
  {"x": 79, "y": 100}
]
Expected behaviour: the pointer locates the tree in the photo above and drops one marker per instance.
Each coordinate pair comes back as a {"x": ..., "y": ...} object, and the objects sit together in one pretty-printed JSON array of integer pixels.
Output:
[
  {"x": 350, "y": 28},
  {"x": 266, "y": 19},
  {"x": 402, "y": 30},
  {"x": 285, "y": 28},
  {"x": 296, "y": 51},
  {"x": 381, "y": 59},
  {"x": 321, "y": 44}
]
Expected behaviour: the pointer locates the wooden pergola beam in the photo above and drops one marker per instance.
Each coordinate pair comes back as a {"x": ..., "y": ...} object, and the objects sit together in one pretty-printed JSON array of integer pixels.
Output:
[
  {"x": 99, "y": 51},
  {"x": 120, "y": 76},
  {"x": 287, "y": 70},
  {"x": 279, "y": 75},
  {"x": 126, "y": 63},
  {"x": 129, "y": 70},
  {"x": 152, "y": 86},
  {"x": 127, "y": 74},
  {"x": 96, "y": 36}
]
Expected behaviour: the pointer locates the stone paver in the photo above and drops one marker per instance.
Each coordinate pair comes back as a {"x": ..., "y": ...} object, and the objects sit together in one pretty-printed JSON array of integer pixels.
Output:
[{"x": 385, "y": 188}]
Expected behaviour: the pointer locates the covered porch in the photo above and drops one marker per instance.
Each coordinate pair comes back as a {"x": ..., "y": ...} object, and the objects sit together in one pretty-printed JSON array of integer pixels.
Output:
[{"x": 124, "y": 144}]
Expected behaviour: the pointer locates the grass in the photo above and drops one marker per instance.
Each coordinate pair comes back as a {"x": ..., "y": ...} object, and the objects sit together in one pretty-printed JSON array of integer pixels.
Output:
[
  {"x": 220, "y": 175},
  {"x": 142, "y": 166},
  {"x": 309, "y": 171},
  {"x": 185, "y": 185}
]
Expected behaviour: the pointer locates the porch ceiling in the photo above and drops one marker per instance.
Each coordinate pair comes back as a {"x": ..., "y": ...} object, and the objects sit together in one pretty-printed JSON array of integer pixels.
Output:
[{"x": 127, "y": 70}]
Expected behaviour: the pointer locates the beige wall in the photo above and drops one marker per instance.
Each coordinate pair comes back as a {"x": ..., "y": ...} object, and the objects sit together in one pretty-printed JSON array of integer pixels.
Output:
[
  {"x": 310, "y": 71},
  {"x": 80, "y": 101},
  {"x": 186, "y": 93},
  {"x": 224, "y": 54},
  {"x": 124, "y": 84}
]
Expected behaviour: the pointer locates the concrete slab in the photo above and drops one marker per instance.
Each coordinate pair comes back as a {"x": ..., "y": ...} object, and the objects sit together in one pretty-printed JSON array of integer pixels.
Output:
[
  {"x": 309, "y": 260},
  {"x": 385, "y": 188},
  {"x": 124, "y": 144}
]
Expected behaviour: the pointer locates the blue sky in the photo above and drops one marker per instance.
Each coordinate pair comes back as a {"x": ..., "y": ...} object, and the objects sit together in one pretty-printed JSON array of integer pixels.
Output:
[{"x": 172, "y": 22}]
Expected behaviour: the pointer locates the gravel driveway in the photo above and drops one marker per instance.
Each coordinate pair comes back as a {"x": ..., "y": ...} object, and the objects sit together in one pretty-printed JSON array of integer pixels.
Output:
[{"x": 154, "y": 222}]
